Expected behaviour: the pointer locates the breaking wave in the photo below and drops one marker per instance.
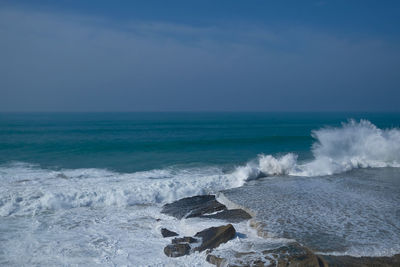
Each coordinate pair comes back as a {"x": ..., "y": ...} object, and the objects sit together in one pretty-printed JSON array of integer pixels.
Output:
[
  {"x": 27, "y": 189},
  {"x": 354, "y": 145}
]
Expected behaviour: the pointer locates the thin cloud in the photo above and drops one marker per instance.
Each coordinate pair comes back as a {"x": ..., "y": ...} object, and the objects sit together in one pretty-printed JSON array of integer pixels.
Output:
[{"x": 64, "y": 62}]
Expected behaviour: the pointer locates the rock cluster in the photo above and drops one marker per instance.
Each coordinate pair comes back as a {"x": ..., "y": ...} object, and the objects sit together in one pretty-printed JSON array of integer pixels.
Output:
[
  {"x": 292, "y": 254},
  {"x": 205, "y": 206},
  {"x": 207, "y": 239}
]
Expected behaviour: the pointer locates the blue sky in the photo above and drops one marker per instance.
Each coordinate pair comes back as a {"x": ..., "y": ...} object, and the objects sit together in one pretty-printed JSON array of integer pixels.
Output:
[{"x": 199, "y": 55}]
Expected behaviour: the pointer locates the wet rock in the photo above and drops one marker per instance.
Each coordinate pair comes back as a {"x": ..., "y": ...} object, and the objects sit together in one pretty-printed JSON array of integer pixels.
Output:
[
  {"x": 193, "y": 206},
  {"x": 214, "y": 236},
  {"x": 218, "y": 261},
  {"x": 167, "y": 233},
  {"x": 234, "y": 215},
  {"x": 289, "y": 255},
  {"x": 177, "y": 250},
  {"x": 185, "y": 239},
  {"x": 259, "y": 227},
  {"x": 293, "y": 254},
  {"x": 336, "y": 261}
]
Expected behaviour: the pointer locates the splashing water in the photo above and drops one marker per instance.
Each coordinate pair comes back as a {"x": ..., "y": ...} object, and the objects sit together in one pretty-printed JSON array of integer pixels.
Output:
[{"x": 354, "y": 145}]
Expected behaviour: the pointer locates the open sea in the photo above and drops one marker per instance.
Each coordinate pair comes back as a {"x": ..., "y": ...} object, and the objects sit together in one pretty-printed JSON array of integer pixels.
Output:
[{"x": 87, "y": 188}]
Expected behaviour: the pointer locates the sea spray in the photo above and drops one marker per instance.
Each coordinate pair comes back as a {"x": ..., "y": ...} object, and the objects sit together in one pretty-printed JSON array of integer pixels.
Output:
[{"x": 335, "y": 150}]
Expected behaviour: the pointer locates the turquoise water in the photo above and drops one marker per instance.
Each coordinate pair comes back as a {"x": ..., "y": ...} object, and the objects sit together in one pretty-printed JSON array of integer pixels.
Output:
[
  {"x": 87, "y": 188},
  {"x": 128, "y": 142}
]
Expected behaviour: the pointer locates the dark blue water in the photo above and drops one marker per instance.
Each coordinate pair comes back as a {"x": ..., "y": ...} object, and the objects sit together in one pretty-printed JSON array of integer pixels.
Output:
[{"x": 128, "y": 142}]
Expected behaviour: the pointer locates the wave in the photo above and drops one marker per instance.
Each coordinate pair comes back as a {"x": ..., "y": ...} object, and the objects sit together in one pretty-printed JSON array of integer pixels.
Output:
[
  {"x": 29, "y": 189},
  {"x": 335, "y": 150}
]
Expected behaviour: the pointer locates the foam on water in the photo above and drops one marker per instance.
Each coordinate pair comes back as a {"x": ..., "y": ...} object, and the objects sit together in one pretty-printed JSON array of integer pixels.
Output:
[
  {"x": 98, "y": 216},
  {"x": 354, "y": 213},
  {"x": 28, "y": 190},
  {"x": 336, "y": 150}
]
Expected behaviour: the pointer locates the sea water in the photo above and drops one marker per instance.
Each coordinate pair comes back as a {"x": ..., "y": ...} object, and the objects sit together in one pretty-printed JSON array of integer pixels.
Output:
[{"x": 86, "y": 188}]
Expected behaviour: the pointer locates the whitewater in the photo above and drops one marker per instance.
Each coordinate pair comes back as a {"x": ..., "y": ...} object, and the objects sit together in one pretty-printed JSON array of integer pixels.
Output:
[{"x": 96, "y": 216}]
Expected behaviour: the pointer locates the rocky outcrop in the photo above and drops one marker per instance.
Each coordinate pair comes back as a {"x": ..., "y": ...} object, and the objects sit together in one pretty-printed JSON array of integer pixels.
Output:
[
  {"x": 289, "y": 255},
  {"x": 206, "y": 207},
  {"x": 294, "y": 254},
  {"x": 193, "y": 207},
  {"x": 234, "y": 215},
  {"x": 209, "y": 238},
  {"x": 214, "y": 236},
  {"x": 167, "y": 233},
  {"x": 286, "y": 255},
  {"x": 337, "y": 261},
  {"x": 177, "y": 250}
]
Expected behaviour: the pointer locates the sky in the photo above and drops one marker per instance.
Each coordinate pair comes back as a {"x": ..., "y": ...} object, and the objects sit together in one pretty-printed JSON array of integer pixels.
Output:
[{"x": 296, "y": 56}]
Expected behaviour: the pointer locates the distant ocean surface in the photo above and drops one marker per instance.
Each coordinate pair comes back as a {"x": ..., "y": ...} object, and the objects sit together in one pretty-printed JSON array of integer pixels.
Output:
[{"x": 86, "y": 188}]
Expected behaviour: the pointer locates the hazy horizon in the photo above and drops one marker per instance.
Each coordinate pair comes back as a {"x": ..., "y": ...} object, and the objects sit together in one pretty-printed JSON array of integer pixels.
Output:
[{"x": 152, "y": 56}]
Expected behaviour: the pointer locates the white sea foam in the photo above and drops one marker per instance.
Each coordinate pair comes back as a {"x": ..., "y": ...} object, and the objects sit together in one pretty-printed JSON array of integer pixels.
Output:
[
  {"x": 354, "y": 145},
  {"x": 28, "y": 189},
  {"x": 55, "y": 217}
]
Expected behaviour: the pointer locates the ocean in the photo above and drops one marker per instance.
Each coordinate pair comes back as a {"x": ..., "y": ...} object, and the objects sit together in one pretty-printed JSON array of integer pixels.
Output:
[{"x": 87, "y": 188}]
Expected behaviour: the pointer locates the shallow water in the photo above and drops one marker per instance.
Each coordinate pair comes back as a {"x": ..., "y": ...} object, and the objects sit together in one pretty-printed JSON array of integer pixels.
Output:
[{"x": 355, "y": 213}]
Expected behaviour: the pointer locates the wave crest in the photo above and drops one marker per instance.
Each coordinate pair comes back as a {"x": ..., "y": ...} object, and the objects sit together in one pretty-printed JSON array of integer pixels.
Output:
[
  {"x": 27, "y": 189},
  {"x": 354, "y": 145}
]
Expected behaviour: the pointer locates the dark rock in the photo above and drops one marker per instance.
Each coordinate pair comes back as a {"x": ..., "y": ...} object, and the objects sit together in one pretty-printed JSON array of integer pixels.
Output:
[
  {"x": 296, "y": 255},
  {"x": 177, "y": 250},
  {"x": 293, "y": 254},
  {"x": 214, "y": 236},
  {"x": 193, "y": 206},
  {"x": 235, "y": 215},
  {"x": 218, "y": 261},
  {"x": 336, "y": 261},
  {"x": 185, "y": 239},
  {"x": 285, "y": 256},
  {"x": 167, "y": 233}
]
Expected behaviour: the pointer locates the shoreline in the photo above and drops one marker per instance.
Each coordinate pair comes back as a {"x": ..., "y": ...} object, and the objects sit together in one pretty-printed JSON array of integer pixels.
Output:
[{"x": 290, "y": 253}]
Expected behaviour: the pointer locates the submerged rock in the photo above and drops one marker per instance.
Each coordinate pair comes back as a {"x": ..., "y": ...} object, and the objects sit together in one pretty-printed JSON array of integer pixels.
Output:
[
  {"x": 193, "y": 206},
  {"x": 177, "y": 250},
  {"x": 167, "y": 233},
  {"x": 214, "y": 236},
  {"x": 234, "y": 215},
  {"x": 336, "y": 261}
]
